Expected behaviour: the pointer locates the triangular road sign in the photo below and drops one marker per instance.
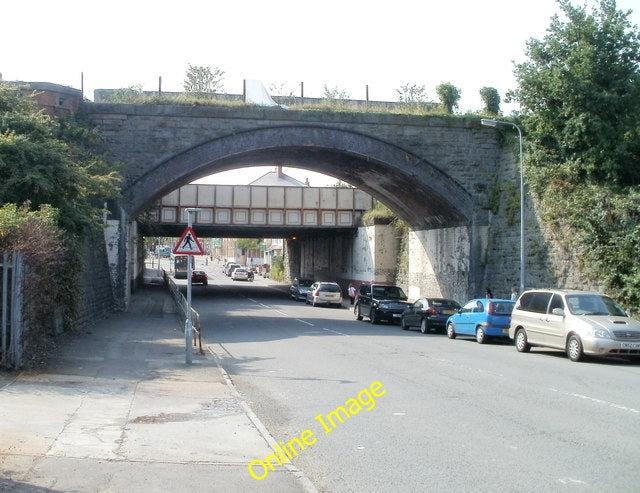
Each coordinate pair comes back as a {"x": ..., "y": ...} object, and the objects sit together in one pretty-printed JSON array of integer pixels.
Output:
[{"x": 188, "y": 244}]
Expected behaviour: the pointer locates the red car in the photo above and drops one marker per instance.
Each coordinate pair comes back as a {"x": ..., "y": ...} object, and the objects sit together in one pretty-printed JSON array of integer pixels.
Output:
[{"x": 199, "y": 277}]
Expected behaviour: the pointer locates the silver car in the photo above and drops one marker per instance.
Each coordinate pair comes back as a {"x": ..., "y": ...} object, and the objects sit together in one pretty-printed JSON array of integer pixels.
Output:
[
  {"x": 577, "y": 322},
  {"x": 325, "y": 293}
]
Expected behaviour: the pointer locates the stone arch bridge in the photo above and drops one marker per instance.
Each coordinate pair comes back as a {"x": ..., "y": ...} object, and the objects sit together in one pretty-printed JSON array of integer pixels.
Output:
[{"x": 438, "y": 174}]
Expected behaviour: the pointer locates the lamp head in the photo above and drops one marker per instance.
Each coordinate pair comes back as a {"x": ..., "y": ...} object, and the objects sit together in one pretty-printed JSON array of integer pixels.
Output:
[{"x": 488, "y": 122}]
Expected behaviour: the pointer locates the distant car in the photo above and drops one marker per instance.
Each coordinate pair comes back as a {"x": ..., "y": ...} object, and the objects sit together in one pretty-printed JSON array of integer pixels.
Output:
[
  {"x": 300, "y": 287},
  {"x": 199, "y": 277},
  {"x": 240, "y": 274},
  {"x": 577, "y": 322},
  {"x": 325, "y": 293},
  {"x": 429, "y": 314},
  {"x": 481, "y": 318},
  {"x": 380, "y": 302}
]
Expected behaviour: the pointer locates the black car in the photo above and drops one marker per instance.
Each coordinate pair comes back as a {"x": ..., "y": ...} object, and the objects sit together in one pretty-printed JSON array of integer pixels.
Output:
[
  {"x": 199, "y": 277},
  {"x": 380, "y": 302},
  {"x": 429, "y": 314}
]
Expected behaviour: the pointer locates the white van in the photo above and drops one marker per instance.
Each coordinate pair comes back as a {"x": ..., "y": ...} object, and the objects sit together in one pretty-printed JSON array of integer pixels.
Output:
[{"x": 577, "y": 322}]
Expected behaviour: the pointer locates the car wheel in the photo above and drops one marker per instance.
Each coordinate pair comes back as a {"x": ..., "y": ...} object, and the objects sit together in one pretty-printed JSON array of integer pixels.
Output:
[
  {"x": 205, "y": 283},
  {"x": 424, "y": 328},
  {"x": 356, "y": 312},
  {"x": 574, "y": 348},
  {"x": 403, "y": 324},
  {"x": 521, "y": 341},
  {"x": 451, "y": 331},
  {"x": 372, "y": 317},
  {"x": 481, "y": 335}
]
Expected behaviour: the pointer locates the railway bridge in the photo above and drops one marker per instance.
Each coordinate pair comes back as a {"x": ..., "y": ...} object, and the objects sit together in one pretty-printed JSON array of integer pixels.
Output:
[{"x": 448, "y": 178}]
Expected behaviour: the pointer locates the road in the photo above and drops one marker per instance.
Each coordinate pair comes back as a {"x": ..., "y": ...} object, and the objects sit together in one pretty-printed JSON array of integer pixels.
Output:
[{"x": 450, "y": 415}]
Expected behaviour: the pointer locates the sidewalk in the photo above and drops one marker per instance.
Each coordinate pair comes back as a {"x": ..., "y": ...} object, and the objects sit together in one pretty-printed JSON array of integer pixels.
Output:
[{"x": 118, "y": 410}]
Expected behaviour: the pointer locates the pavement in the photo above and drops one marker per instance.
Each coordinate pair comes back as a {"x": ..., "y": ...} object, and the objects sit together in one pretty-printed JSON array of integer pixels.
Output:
[{"x": 118, "y": 409}]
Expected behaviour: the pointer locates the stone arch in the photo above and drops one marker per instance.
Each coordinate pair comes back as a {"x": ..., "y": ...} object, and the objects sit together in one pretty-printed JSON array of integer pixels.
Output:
[{"x": 419, "y": 192}]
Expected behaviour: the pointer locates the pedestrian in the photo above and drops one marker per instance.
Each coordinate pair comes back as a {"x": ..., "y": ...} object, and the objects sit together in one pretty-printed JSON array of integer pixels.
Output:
[
  {"x": 352, "y": 293},
  {"x": 488, "y": 293},
  {"x": 514, "y": 293}
]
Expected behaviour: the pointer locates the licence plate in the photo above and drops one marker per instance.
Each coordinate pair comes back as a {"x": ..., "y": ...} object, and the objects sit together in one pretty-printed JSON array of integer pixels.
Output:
[
  {"x": 447, "y": 312},
  {"x": 630, "y": 345},
  {"x": 505, "y": 331},
  {"x": 397, "y": 315}
]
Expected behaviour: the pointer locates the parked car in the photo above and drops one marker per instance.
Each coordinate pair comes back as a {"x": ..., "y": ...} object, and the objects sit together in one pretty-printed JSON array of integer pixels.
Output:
[
  {"x": 380, "y": 302},
  {"x": 325, "y": 293},
  {"x": 429, "y": 314},
  {"x": 300, "y": 287},
  {"x": 240, "y": 274},
  {"x": 199, "y": 277},
  {"x": 577, "y": 322},
  {"x": 481, "y": 318}
]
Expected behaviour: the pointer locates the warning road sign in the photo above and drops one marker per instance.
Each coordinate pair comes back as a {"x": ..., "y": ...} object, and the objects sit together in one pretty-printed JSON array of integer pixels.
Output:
[{"x": 188, "y": 244}]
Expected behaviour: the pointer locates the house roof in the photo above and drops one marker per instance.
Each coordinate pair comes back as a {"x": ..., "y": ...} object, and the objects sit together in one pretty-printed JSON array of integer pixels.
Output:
[{"x": 277, "y": 178}]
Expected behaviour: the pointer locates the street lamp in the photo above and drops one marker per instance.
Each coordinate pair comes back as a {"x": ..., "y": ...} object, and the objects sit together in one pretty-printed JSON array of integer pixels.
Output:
[{"x": 488, "y": 122}]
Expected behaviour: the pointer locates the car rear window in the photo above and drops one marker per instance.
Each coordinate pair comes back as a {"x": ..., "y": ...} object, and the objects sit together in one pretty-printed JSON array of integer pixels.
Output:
[
  {"x": 330, "y": 288},
  {"x": 440, "y": 303},
  {"x": 305, "y": 283},
  {"x": 502, "y": 307}
]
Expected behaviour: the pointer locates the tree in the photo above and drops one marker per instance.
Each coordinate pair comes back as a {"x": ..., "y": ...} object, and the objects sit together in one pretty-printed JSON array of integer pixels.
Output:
[
  {"x": 47, "y": 162},
  {"x": 491, "y": 100},
  {"x": 580, "y": 95},
  {"x": 248, "y": 243},
  {"x": 580, "y": 89},
  {"x": 449, "y": 96},
  {"x": 412, "y": 93},
  {"x": 204, "y": 79},
  {"x": 281, "y": 89},
  {"x": 334, "y": 93}
]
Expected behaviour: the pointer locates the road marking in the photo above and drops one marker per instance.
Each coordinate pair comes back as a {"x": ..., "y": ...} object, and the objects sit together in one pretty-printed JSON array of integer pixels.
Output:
[
  {"x": 304, "y": 322},
  {"x": 599, "y": 401},
  {"x": 336, "y": 332},
  {"x": 571, "y": 481}
]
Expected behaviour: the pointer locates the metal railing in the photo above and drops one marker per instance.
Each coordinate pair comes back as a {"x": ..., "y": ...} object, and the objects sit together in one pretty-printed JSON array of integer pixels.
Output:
[{"x": 181, "y": 304}]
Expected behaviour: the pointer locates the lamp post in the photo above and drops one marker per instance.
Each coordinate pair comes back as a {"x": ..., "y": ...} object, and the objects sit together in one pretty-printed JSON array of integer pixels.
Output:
[{"x": 488, "y": 122}]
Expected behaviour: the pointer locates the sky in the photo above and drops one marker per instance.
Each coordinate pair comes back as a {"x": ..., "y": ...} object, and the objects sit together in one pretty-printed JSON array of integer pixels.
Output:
[{"x": 345, "y": 45}]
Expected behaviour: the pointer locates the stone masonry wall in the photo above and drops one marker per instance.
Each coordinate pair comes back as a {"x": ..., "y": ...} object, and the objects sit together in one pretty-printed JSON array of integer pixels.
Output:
[{"x": 96, "y": 293}]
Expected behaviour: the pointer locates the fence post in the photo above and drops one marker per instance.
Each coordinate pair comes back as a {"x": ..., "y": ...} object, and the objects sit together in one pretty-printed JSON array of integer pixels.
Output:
[
  {"x": 17, "y": 272},
  {"x": 5, "y": 307}
]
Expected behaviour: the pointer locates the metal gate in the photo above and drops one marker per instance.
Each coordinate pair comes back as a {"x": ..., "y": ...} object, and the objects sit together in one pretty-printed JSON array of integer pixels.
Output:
[{"x": 12, "y": 269}]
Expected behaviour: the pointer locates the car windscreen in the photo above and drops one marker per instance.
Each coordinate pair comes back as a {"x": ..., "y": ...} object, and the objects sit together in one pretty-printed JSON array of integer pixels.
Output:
[
  {"x": 305, "y": 283},
  {"x": 593, "y": 304},
  {"x": 388, "y": 292}
]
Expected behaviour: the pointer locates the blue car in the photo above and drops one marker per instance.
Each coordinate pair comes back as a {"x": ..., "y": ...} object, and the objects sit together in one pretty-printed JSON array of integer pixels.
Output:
[{"x": 481, "y": 318}]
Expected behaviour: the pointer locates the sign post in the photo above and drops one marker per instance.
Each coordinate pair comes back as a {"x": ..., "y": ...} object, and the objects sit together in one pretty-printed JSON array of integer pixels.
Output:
[{"x": 189, "y": 245}]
